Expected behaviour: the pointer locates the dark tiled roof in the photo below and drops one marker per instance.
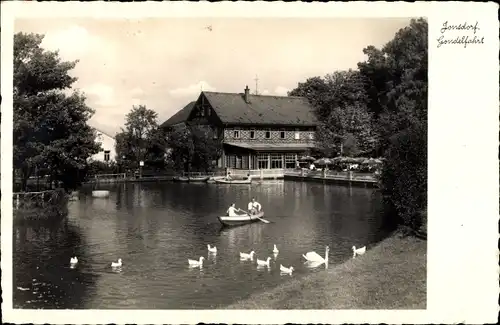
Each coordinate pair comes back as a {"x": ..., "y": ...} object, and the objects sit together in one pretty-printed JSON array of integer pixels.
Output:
[
  {"x": 179, "y": 117},
  {"x": 279, "y": 110}
]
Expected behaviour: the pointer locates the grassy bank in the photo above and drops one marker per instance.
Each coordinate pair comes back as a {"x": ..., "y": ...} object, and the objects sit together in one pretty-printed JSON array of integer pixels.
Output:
[{"x": 391, "y": 275}]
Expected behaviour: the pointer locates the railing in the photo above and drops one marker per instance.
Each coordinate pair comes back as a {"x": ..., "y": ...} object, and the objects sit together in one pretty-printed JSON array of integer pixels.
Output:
[
  {"x": 257, "y": 173},
  {"x": 334, "y": 175},
  {"x": 110, "y": 176}
]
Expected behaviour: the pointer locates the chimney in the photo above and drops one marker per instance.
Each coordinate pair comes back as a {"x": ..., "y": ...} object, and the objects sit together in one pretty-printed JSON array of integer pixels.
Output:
[{"x": 247, "y": 91}]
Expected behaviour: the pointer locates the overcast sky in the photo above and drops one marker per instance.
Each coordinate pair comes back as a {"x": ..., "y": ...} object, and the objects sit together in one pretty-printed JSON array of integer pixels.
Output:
[{"x": 163, "y": 63}]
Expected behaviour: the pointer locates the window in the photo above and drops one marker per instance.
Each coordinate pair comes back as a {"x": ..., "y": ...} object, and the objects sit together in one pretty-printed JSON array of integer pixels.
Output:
[
  {"x": 236, "y": 134},
  {"x": 106, "y": 155},
  {"x": 252, "y": 134},
  {"x": 263, "y": 161},
  {"x": 209, "y": 111},
  {"x": 282, "y": 134},
  {"x": 297, "y": 135},
  {"x": 215, "y": 132},
  {"x": 238, "y": 162},
  {"x": 276, "y": 161},
  {"x": 290, "y": 161},
  {"x": 231, "y": 161},
  {"x": 202, "y": 111},
  {"x": 268, "y": 134}
]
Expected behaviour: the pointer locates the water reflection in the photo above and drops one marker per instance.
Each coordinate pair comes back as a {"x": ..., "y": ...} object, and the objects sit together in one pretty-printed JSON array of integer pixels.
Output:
[
  {"x": 43, "y": 276},
  {"x": 155, "y": 228}
]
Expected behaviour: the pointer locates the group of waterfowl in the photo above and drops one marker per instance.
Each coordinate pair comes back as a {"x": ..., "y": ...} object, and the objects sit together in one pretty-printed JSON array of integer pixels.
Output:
[{"x": 313, "y": 259}]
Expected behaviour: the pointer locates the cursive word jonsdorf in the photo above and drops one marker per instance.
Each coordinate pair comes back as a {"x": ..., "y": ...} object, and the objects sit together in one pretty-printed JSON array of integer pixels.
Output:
[
  {"x": 460, "y": 40},
  {"x": 460, "y": 27}
]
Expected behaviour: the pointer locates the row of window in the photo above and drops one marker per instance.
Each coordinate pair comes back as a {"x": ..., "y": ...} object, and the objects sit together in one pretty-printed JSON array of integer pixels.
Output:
[
  {"x": 262, "y": 161},
  {"x": 267, "y": 134}
]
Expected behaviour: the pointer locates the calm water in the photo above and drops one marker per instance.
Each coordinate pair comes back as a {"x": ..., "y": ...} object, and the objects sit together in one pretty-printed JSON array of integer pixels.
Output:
[{"x": 155, "y": 228}]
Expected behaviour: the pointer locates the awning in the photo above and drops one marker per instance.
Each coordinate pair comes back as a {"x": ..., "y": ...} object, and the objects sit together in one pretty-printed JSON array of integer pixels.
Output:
[{"x": 260, "y": 146}]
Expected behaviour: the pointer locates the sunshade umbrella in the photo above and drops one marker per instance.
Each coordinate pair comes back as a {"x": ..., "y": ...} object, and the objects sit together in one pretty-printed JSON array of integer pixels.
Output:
[
  {"x": 307, "y": 158},
  {"x": 324, "y": 161}
]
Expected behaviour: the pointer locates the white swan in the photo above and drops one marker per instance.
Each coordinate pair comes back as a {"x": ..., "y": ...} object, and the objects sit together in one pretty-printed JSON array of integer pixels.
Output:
[
  {"x": 316, "y": 258},
  {"x": 73, "y": 260},
  {"x": 287, "y": 270},
  {"x": 275, "y": 250},
  {"x": 358, "y": 251},
  {"x": 196, "y": 263},
  {"x": 117, "y": 264},
  {"x": 245, "y": 256},
  {"x": 212, "y": 249},
  {"x": 263, "y": 263}
]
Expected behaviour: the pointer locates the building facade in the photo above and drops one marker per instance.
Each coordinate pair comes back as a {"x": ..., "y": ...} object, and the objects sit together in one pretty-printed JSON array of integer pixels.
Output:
[
  {"x": 257, "y": 132},
  {"x": 108, "y": 151}
]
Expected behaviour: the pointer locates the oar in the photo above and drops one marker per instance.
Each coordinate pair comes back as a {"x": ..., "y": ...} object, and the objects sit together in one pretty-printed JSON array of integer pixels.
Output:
[{"x": 263, "y": 220}]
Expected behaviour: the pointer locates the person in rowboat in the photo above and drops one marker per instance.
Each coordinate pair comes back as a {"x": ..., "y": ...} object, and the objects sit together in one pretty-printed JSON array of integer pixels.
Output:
[
  {"x": 231, "y": 212},
  {"x": 254, "y": 207}
]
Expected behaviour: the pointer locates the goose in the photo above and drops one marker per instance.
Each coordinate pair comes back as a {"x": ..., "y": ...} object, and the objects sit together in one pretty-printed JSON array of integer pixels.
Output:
[
  {"x": 275, "y": 250},
  {"x": 245, "y": 256},
  {"x": 315, "y": 257},
  {"x": 358, "y": 251},
  {"x": 287, "y": 270},
  {"x": 73, "y": 260},
  {"x": 196, "y": 263},
  {"x": 263, "y": 263},
  {"x": 212, "y": 249},
  {"x": 117, "y": 264}
]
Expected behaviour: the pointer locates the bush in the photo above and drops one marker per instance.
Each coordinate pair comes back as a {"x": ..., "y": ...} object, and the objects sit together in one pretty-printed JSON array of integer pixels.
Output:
[{"x": 404, "y": 178}]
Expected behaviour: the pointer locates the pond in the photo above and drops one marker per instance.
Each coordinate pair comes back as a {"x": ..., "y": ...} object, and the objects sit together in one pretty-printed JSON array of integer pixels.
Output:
[{"x": 156, "y": 227}]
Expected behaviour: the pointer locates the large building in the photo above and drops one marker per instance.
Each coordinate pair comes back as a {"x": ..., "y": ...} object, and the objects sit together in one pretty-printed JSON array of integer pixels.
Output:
[
  {"x": 258, "y": 132},
  {"x": 108, "y": 152}
]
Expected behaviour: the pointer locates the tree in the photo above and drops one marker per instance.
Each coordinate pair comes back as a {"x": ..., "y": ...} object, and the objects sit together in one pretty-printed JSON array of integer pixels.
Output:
[
  {"x": 50, "y": 126},
  {"x": 193, "y": 147},
  {"x": 340, "y": 103},
  {"x": 397, "y": 81},
  {"x": 141, "y": 139}
]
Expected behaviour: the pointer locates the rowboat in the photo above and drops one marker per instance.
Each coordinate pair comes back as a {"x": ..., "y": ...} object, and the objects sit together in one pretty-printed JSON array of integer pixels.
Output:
[
  {"x": 240, "y": 220},
  {"x": 100, "y": 194},
  {"x": 233, "y": 181},
  {"x": 198, "y": 179},
  {"x": 181, "y": 179},
  {"x": 214, "y": 178}
]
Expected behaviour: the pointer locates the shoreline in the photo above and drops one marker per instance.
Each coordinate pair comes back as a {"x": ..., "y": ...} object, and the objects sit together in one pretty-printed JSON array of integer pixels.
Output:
[{"x": 391, "y": 275}]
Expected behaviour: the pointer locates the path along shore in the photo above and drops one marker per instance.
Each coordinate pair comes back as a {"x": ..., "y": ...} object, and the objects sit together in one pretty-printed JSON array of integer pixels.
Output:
[{"x": 391, "y": 275}]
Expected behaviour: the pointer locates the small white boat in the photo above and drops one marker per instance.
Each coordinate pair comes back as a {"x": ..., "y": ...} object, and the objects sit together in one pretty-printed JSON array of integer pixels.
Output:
[
  {"x": 117, "y": 264},
  {"x": 100, "y": 194},
  {"x": 198, "y": 179},
  {"x": 245, "y": 256},
  {"x": 358, "y": 251},
  {"x": 234, "y": 181},
  {"x": 264, "y": 263},
  {"x": 181, "y": 179},
  {"x": 194, "y": 263},
  {"x": 241, "y": 219},
  {"x": 214, "y": 178},
  {"x": 212, "y": 250},
  {"x": 286, "y": 270}
]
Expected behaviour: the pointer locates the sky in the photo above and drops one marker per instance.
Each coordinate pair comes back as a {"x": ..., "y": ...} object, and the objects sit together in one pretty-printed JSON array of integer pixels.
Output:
[{"x": 164, "y": 63}]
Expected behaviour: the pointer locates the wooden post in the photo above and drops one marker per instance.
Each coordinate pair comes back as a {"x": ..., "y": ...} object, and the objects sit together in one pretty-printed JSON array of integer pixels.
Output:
[{"x": 17, "y": 200}]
